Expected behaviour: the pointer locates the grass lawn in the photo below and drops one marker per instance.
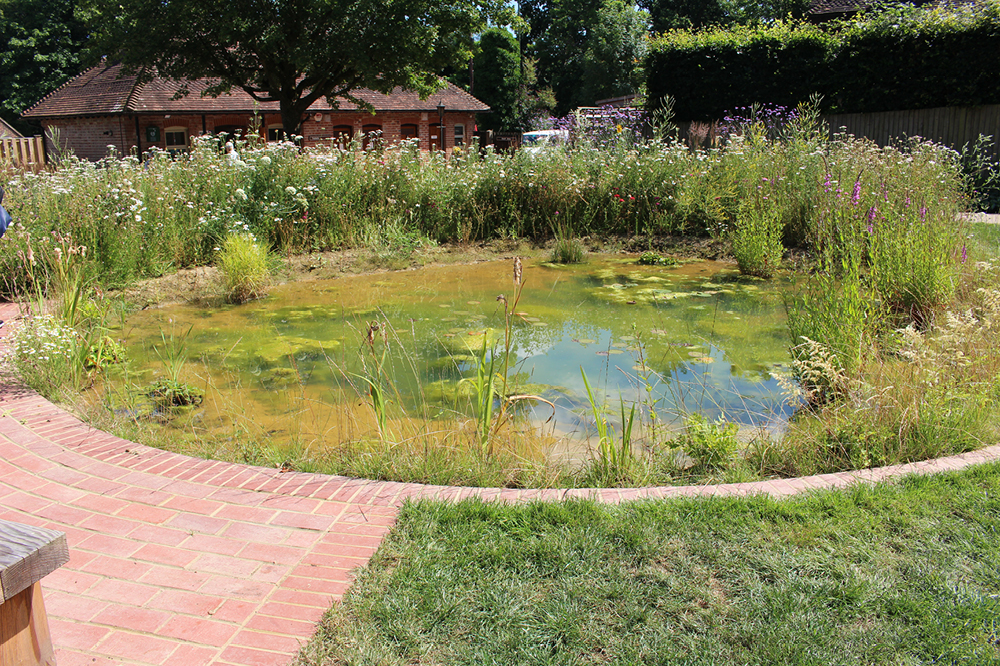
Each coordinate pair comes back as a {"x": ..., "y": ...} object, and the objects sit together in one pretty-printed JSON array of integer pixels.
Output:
[{"x": 900, "y": 573}]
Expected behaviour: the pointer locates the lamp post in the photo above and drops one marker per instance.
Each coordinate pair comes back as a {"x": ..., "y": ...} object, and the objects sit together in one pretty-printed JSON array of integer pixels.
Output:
[{"x": 440, "y": 108}]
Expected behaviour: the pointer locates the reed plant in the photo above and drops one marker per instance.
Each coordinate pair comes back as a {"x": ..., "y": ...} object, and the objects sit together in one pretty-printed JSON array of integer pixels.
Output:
[
  {"x": 567, "y": 249},
  {"x": 613, "y": 461},
  {"x": 244, "y": 266}
]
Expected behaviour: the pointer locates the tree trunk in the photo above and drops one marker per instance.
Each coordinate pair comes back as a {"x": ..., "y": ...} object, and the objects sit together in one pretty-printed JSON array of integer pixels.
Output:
[{"x": 292, "y": 118}]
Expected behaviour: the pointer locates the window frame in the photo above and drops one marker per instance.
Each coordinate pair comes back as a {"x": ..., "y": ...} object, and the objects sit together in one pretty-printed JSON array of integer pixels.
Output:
[{"x": 175, "y": 147}]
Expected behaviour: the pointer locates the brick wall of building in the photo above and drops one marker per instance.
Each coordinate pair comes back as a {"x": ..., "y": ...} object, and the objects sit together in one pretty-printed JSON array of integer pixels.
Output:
[{"x": 90, "y": 138}]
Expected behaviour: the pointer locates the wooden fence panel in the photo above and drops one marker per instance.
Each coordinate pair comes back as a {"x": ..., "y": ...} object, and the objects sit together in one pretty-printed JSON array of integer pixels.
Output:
[
  {"x": 23, "y": 153},
  {"x": 952, "y": 126}
]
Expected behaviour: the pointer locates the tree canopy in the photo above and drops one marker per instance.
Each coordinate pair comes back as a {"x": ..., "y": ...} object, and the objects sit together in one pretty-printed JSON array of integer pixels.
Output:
[
  {"x": 696, "y": 14},
  {"x": 506, "y": 80},
  {"x": 293, "y": 51},
  {"x": 587, "y": 49},
  {"x": 40, "y": 43},
  {"x": 499, "y": 79}
]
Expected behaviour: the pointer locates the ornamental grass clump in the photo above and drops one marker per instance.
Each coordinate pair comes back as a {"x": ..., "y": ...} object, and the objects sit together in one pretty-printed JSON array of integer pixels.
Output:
[{"x": 245, "y": 269}]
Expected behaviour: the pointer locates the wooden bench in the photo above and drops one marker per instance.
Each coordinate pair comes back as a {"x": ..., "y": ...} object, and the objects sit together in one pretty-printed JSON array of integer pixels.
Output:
[{"x": 27, "y": 554}]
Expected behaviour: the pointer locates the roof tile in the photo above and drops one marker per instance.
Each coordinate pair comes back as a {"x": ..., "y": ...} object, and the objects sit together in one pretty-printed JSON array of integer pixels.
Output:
[{"x": 104, "y": 90}]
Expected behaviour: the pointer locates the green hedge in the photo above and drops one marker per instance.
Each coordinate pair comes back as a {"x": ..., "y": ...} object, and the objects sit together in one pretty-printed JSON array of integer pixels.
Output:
[{"x": 900, "y": 58}]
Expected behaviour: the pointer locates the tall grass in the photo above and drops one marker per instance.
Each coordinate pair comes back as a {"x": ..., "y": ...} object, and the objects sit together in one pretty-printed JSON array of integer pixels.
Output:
[
  {"x": 143, "y": 217},
  {"x": 243, "y": 264}
]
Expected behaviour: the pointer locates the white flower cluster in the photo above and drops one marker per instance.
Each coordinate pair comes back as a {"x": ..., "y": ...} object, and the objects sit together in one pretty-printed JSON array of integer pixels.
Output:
[{"x": 42, "y": 339}]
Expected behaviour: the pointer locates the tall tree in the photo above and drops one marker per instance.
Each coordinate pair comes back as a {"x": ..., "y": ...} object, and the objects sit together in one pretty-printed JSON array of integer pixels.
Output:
[
  {"x": 293, "y": 52},
  {"x": 695, "y": 14},
  {"x": 506, "y": 80},
  {"x": 589, "y": 49},
  {"x": 40, "y": 44},
  {"x": 499, "y": 79}
]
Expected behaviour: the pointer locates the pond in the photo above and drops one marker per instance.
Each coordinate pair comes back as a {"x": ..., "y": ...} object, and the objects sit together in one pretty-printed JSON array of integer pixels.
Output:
[{"x": 674, "y": 340}]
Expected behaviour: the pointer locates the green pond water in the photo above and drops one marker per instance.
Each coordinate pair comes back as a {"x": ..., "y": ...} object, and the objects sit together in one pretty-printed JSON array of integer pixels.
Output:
[{"x": 698, "y": 335}]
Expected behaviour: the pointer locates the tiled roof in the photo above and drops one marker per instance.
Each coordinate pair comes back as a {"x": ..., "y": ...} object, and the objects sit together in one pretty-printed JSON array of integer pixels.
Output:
[{"x": 104, "y": 89}]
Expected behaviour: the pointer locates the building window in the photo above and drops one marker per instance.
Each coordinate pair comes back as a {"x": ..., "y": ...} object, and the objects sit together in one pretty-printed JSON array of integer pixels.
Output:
[
  {"x": 176, "y": 139},
  {"x": 275, "y": 133},
  {"x": 459, "y": 135},
  {"x": 408, "y": 132},
  {"x": 342, "y": 136}
]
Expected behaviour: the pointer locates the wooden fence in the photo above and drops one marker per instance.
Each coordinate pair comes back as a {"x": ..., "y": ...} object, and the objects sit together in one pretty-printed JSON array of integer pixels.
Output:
[
  {"x": 951, "y": 126},
  {"x": 23, "y": 153}
]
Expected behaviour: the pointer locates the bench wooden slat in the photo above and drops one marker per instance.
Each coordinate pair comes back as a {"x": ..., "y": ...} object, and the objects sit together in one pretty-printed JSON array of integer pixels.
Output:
[{"x": 27, "y": 554}]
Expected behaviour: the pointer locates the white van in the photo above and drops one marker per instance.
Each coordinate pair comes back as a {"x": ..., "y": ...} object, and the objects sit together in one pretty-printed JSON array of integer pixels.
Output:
[{"x": 539, "y": 140}]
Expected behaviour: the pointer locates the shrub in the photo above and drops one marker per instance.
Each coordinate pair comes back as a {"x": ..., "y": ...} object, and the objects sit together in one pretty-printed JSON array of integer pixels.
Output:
[
  {"x": 243, "y": 263},
  {"x": 899, "y": 57},
  {"x": 712, "y": 444}
]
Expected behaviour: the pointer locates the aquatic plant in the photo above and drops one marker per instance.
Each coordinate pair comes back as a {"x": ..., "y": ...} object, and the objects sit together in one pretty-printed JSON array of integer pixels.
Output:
[
  {"x": 484, "y": 385},
  {"x": 650, "y": 258},
  {"x": 373, "y": 364},
  {"x": 243, "y": 263},
  {"x": 613, "y": 460},
  {"x": 757, "y": 232},
  {"x": 171, "y": 393},
  {"x": 568, "y": 249}
]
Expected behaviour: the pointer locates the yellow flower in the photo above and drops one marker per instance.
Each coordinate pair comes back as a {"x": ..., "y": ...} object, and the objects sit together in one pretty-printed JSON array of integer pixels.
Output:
[{"x": 619, "y": 129}]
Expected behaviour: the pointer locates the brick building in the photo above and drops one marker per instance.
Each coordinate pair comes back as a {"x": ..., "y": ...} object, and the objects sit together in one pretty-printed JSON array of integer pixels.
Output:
[
  {"x": 6, "y": 131},
  {"x": 102, "y": 108}
]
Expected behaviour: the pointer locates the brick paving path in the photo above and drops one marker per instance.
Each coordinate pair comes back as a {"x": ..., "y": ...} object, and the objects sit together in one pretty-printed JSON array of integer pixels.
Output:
[{"x": 177, "y": 560}]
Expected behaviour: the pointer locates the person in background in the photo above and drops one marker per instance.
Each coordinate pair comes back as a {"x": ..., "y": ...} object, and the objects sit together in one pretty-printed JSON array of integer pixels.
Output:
[
  {"x": 5, "y": 218},
  {"x": 4, "y": 223},
  {"x": 232, "y": 154}
]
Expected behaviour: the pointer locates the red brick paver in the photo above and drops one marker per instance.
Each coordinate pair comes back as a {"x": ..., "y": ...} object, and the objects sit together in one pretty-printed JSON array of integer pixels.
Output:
[{"x": 176, "y": 560}]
